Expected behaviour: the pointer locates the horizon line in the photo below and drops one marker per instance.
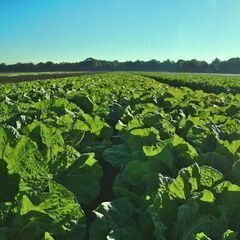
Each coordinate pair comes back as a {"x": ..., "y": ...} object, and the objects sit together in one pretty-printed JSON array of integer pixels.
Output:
[{"x": 115, "y": 60}]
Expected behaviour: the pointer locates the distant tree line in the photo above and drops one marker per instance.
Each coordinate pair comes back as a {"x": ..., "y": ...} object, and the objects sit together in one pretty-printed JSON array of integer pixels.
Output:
[{"x": 90, "y": 64}]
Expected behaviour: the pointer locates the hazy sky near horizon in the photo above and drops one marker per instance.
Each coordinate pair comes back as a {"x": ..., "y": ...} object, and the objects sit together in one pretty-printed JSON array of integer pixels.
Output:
[{"x": 72, "y": 30}]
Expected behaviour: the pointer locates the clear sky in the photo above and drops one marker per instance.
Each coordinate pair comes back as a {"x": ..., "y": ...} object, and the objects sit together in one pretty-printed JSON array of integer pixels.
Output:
[{"x": 72, "y": 30}]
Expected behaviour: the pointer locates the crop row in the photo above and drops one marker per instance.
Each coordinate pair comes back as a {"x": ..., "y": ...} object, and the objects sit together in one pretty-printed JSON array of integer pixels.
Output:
[{"x": 207, "y": 83}]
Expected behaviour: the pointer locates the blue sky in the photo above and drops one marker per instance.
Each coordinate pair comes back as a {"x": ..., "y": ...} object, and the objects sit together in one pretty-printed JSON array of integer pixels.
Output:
[{"x": 72, "y": 30}]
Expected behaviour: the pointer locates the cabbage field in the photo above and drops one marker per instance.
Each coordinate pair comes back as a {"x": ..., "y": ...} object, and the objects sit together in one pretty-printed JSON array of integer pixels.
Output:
[{"x": 120, "y": 156}]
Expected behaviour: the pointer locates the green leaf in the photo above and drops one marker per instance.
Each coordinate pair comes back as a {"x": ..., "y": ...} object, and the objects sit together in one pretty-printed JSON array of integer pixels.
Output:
[
  {"x": 185, "y": 214},
  {"x": 185, "y": 153},
  {"x": 9, "y": 183},
  {"x": 83, "y": 178},
  {"x": 215, "y": 160},
  {"x": 159, "y": 153},
  {"x": 228, "y": 149},
  {"x": 113, "y": 219},
  {"x": 117, "y": 155},
  {"x": 207, "y": 196},
  {"x": 25, "y": 161},
  {"x": 140, "y": 137},
  {"x": 201, "y": 236},
  {"x": 209, "y": 176},
  {"x": 94, "y": 125},
  {"x": 138, "y": 178},
  {"x": 49, "y": 140},
  {"x": 73, "y": 137},
  {"x": 47, "y": 236},
  {"x": 55, "y": 211},
  {"x": 83, "y": 102},
  {"x": 187, "y": 181},
  {"x": 60, "y": 204},
  {"x": 8, "y": 135},
  {"x": 230, "y": 235},
  {"x": 64, "y": 158}
]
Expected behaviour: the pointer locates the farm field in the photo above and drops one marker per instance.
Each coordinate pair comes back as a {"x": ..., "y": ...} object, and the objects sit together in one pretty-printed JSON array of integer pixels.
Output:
[
  {"x": 13, "y": 74},
  {"x": 6, "y": 78},
  {"x": 212, "y": 83},
  {"x": 121, "y": 156}
]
